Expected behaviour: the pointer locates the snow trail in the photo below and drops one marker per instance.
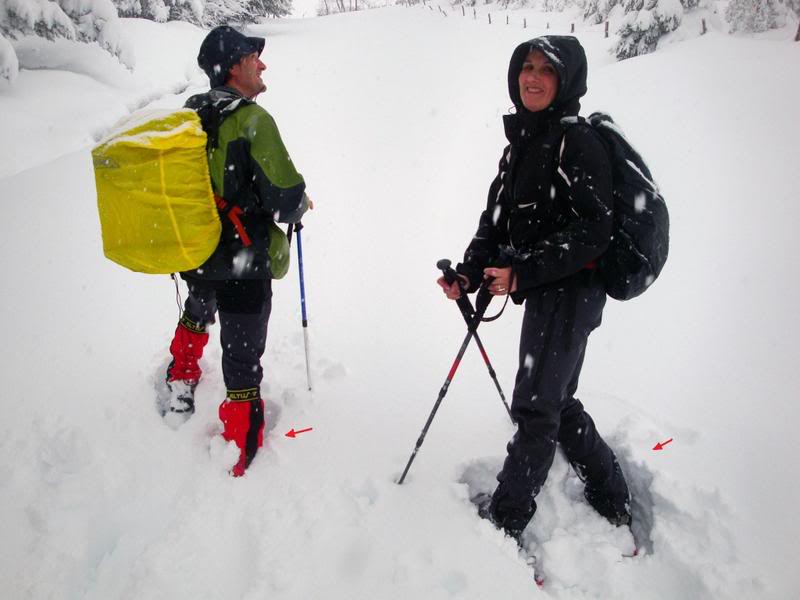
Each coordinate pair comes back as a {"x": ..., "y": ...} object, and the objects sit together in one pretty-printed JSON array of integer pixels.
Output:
[{"x": 393, "y": 117}]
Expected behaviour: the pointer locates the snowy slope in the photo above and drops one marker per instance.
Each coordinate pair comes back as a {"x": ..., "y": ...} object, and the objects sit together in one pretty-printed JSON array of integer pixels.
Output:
[{"x": 393, "y": 116}]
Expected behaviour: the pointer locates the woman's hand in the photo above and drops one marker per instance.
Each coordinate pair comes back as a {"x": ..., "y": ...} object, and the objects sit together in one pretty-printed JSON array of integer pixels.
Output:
[
  {"x": 453, "y": 290},
  {"x": 504, "y": 280}
]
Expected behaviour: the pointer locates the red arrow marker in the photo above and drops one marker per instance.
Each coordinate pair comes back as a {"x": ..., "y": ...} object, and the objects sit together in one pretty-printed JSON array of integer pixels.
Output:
[
  {"x": 660, "y": 445},
  {"x": 292, "y": 433}
]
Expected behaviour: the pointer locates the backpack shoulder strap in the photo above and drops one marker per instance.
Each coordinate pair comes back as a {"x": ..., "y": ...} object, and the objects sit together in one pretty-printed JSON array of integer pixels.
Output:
[
  {"x": 622, "y": 153},
  {"x": 566, "y": 124},
  {"x": 213, "y": 112}
]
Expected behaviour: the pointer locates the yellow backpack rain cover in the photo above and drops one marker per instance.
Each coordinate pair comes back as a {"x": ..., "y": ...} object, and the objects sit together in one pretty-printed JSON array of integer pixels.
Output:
[{"x": 154, "y": 195}]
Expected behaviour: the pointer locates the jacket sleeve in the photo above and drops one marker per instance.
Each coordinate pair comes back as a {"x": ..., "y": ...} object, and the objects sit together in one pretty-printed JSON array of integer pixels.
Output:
[
  {"x": 279, "y": 187},
  {"x": 483, "y": 250},
  {"x": 583, "y": 180}
]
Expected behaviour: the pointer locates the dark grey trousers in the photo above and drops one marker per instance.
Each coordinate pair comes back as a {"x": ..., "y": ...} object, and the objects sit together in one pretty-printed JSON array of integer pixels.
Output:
[
  {"x": 556, "y": 326},
  {"x": 244, "y": 306}
]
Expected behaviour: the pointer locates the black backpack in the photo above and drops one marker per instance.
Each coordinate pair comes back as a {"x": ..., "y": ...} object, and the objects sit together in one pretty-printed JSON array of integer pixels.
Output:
[{"x": 640, "y": 238}]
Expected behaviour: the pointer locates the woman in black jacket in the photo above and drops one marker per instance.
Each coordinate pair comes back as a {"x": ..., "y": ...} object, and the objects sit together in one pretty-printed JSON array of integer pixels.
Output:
[{"x": 547, "y": 220}]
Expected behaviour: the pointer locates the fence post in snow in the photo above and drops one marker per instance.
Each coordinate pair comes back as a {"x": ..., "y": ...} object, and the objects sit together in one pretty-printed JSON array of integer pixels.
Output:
[
  {"x": 703, "y": 32},
  {"x": 548, "y": 25},
  {"x": 506, "y": 19},
  {"x": 490, "y": 17},
  {"x": 463, "y": 12},
  {"x": 525, "y": 23},
  {"x": 474, "y": 14},
  {"x": 572, "y": 28},
  {"x": 606, "y": 28},
  {"x": 797, "y": 37}
]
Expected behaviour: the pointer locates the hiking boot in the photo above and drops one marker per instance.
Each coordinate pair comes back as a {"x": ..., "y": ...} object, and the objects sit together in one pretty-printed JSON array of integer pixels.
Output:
[
  {"x": 483, "y": 502},
  {"x": 243, "y": 420},
  {"x": 180, "y": 405},
  {"x": 186, "y": 349},
  {"x": 611, "y": 497},
  {"x": 616, "y": 511},
  {"x": 487, "y": 510}
]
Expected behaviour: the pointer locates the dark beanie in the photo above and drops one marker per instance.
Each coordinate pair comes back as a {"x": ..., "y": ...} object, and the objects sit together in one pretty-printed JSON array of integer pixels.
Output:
[{"x": 222, "y": 49}]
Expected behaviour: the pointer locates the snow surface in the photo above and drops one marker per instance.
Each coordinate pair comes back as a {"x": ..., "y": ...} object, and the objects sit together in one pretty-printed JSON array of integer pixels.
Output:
[{"x": 393, "y": 116}]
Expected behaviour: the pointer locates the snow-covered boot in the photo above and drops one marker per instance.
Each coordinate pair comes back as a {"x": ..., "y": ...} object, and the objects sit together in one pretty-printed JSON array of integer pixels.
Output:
[
  {"x": 611, "y": 498},
  {"x": 487, "y": 509},
  {"x": 187, "y": 350},
  {"x": 483, "y": 501},
  {"x": 180, "y": 403},
  {"x": 183, "y": 373},
  {"x": 242, "y": 414}
]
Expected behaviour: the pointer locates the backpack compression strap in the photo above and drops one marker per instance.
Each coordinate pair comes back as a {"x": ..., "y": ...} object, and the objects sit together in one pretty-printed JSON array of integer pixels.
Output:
[{"x": 230, "y": 210}]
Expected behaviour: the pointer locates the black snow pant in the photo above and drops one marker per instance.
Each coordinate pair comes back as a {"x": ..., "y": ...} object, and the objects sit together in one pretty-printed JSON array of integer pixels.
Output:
[
  {"x": 557, "y": 323},
  {"x": 244, "y": 307}
]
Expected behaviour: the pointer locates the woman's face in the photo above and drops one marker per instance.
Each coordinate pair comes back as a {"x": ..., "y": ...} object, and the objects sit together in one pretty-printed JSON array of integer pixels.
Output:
[{"x": 538, "y": 82}]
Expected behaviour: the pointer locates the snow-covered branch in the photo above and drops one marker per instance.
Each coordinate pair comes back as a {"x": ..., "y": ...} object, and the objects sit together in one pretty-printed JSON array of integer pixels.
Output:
[{"x": 80, "y": 20}]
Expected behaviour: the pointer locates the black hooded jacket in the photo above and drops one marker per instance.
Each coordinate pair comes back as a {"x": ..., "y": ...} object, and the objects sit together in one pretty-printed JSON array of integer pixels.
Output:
[{"x": 547, "y": 217}]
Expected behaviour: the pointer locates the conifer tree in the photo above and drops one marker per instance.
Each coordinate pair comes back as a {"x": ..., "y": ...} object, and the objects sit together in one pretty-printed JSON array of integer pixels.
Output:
[
  {"x": 754, "y": 16},
  {"x": 9, "y": 65},
  {"x": 645, "y": 22},
  {"x": 205, "y": 13},
  {"x": 597, "y": 10},
  {"x": 554, "y": 5},
  {"x": 79, "y": 20}
]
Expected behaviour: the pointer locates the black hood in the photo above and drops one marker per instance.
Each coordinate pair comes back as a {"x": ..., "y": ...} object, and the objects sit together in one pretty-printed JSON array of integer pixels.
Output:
[{"x": 567, "y": 56}]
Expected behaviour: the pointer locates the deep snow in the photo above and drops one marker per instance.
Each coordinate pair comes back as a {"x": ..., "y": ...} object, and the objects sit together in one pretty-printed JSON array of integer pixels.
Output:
[{"x": 393, "y": 116}]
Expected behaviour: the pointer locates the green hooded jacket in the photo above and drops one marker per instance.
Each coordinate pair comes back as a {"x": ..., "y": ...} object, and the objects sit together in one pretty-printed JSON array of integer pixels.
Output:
[{"x": 255, "y": 183}]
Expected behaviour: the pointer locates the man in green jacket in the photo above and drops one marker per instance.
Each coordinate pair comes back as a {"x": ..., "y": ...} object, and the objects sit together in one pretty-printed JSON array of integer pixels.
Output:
[{"x": 255, "y": 185}]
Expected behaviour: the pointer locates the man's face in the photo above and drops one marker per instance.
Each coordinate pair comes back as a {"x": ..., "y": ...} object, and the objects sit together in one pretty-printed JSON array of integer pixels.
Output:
[{"x": 245, "y": 76}]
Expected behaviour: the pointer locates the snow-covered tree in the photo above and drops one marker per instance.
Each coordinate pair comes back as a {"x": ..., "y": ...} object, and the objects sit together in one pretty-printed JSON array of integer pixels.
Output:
[
  {"x": 155, "y": 10},
  {"x": 597, "y": 10},
  {"x": 206, "y": 13},
  {"x": 793, "y": 6},
  {"x": 273, "y": 8},
  {"x": 689, "y": 4},
  {"x": 164, "y": 10},
  {"x": 753, "y": 16},
  {"x": 644, "y": 23},
  {"x": 9, "y": 65},
  {"x": 554, "y": 5},
  {"x": 80, "y": 20},
  {"x": 329, "y": 7},
  {"x": 220, "y": 12}
]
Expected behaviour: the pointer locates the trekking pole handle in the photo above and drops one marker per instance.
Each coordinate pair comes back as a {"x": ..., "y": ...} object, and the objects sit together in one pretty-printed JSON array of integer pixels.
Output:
[
  {"x": 450, "y": 275},
  {"x": 291, "y": 228}
]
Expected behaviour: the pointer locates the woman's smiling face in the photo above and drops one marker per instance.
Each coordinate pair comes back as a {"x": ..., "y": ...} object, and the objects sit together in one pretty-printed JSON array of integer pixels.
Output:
[{"x": 538, "y": 82}]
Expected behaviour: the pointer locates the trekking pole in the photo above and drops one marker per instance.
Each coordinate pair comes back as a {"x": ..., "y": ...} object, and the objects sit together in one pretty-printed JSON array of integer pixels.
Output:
[
  {"x": 465, "y": 306},
  {"x": 481, "y": 304},
  {"x": 297, "y": 227}
]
